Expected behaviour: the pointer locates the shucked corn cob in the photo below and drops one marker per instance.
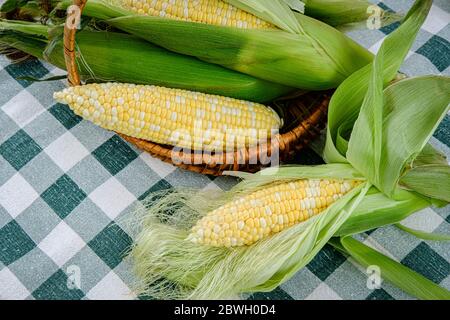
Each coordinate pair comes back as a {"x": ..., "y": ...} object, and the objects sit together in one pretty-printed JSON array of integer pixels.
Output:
[
  {"x": 215, "y": 12},
  {"x": 171, "y": 116},
  {"x": 268, "y": 211}
]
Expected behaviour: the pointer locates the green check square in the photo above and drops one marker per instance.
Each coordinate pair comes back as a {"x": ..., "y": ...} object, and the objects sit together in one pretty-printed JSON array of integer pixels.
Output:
[
  {"x": 436, "y": 50},
  {"x": 63, "y": 196},
  {"x": 56, "y": 288},
  {"x": 379, "y": 294},
  {"x": 427, "y": 262},
  {"x": 111, "y": 244},
  {"x": 32, "y": 68},
  {"x": 65, "y": 115},
  {"x": 277, "y": 294},
  {"x": 326, "y": 262},
  {"x": 443, "y": 131},
  {"x": 19, "y": 149},
  {"x": 115, "y": 154},
  {"x": 14, "y": 243}
]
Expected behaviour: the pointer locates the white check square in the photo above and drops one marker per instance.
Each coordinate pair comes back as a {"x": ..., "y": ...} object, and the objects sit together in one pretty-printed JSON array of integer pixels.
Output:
[
  {"x": 23, "y": 108},
  {"x": 112, "y": 197},
  {"x": 437, "y": 20},
  {"x": 11, "y": 287},
  {"x": 66, "y": 151},
  {"x": 61, "y": 244},
  {"x": 111, "y": 287},
  {"x": 16, "y": 195}
]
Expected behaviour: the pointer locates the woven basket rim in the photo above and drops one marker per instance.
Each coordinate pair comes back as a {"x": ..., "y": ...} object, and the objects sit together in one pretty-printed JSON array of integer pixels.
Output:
[{"x": 196, "y": 161}]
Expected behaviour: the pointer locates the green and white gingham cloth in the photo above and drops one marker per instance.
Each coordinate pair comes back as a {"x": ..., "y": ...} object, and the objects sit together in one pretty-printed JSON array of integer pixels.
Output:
[{"x": 65, "y": 184}]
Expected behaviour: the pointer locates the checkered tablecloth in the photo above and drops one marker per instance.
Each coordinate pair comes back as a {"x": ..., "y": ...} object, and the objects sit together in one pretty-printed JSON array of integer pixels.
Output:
[{"x": 65, "y": 184}]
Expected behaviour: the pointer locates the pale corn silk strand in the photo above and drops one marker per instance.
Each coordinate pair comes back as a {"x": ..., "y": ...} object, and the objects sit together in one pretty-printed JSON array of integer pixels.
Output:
[
  {"x": 171, "y": 266},
  {"x": 214, "y": 12},
  {"x": 177, "y": 117}
]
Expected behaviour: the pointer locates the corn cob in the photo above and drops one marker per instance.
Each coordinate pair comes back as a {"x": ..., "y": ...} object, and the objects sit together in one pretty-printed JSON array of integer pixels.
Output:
[
  {"x": 215, "y": 12},
  {"x": 171, "y": 116},
  {"x": 267, "y": 211}
]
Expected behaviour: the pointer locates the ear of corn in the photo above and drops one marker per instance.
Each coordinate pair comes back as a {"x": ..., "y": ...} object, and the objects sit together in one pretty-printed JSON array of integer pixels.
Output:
[
  {"x": 320, "y": 58},
  {"x": 268, "y": 211},
  {"x": 215, "y": 12},
  {"x": 340, "y": 12},
  {"x": 171, "y": 116},
  {"x": 110, "y": 56}
]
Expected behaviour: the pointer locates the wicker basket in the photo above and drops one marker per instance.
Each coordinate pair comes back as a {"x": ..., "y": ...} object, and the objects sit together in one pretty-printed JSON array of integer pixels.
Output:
[{"x": 304, "y": 117}]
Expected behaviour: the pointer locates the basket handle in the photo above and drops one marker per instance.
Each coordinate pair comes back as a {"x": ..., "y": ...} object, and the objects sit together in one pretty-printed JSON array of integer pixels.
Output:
[{"x": 70, "y": 29}]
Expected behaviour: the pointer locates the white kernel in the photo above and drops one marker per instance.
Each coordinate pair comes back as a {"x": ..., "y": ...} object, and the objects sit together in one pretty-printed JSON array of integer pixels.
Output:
[
  {"x": 200, "y": 233},
  {"x": 174, "y": 116},
  {"x": 240, "y": 225},
  {"x": 94, "y": 94},
  {"x": 233, "y": 241},
  {"x": 80, "y": 100},
  {"x": 114, "y": 111},
  {"x": 86, "y": 113},
  {"x": 347, "y": 186},
  {"x": 120, "y": 101},
  {"x": 312, "y": 202},
  {"x": 262, "y": 222},
  {"x": 308, "y": 192},
  {"x": 216, "y": 228},
  {"x": 142, "y": 115},
  {"x": 268, "y": 210},
  {"x": 302, "y": 205},
  {"x": 280, "y": 219}
]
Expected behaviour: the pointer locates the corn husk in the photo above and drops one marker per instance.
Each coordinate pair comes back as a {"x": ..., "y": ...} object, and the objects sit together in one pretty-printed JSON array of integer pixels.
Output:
[
  {"x": 314, "y": 56},
  {"x": 345, "y": 12},
  {"x": 110, "y": 56},
  {"x": 412, "y": 282},
  {"x": 172, "y": 267}
]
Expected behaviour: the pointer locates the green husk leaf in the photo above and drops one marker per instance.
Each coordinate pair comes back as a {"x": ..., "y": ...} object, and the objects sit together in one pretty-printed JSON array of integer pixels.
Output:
[
  {"x": 312, "y": 240},
  {"x": 346, "y": 102},
  {"x": 349, "y": 13},
  {"x": 277, "y": 12},
  {"x": 396, "y": 273},
  {"x": 30, "y": 28},
  {"x": 337, "y": 12},
  {"x": 320, "y": 58},
  {"x": 430, "y": 180},
  {"x": 429, "y": 155},
  {"x": 377, "y": 210},
  {"x": 430, "y": 236},
  {"x": 401, "y": 133},
  {"x": 296, "y": 5},
  {"x": 10, "y": 5},
  {"x": 294, "y": 172}
]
